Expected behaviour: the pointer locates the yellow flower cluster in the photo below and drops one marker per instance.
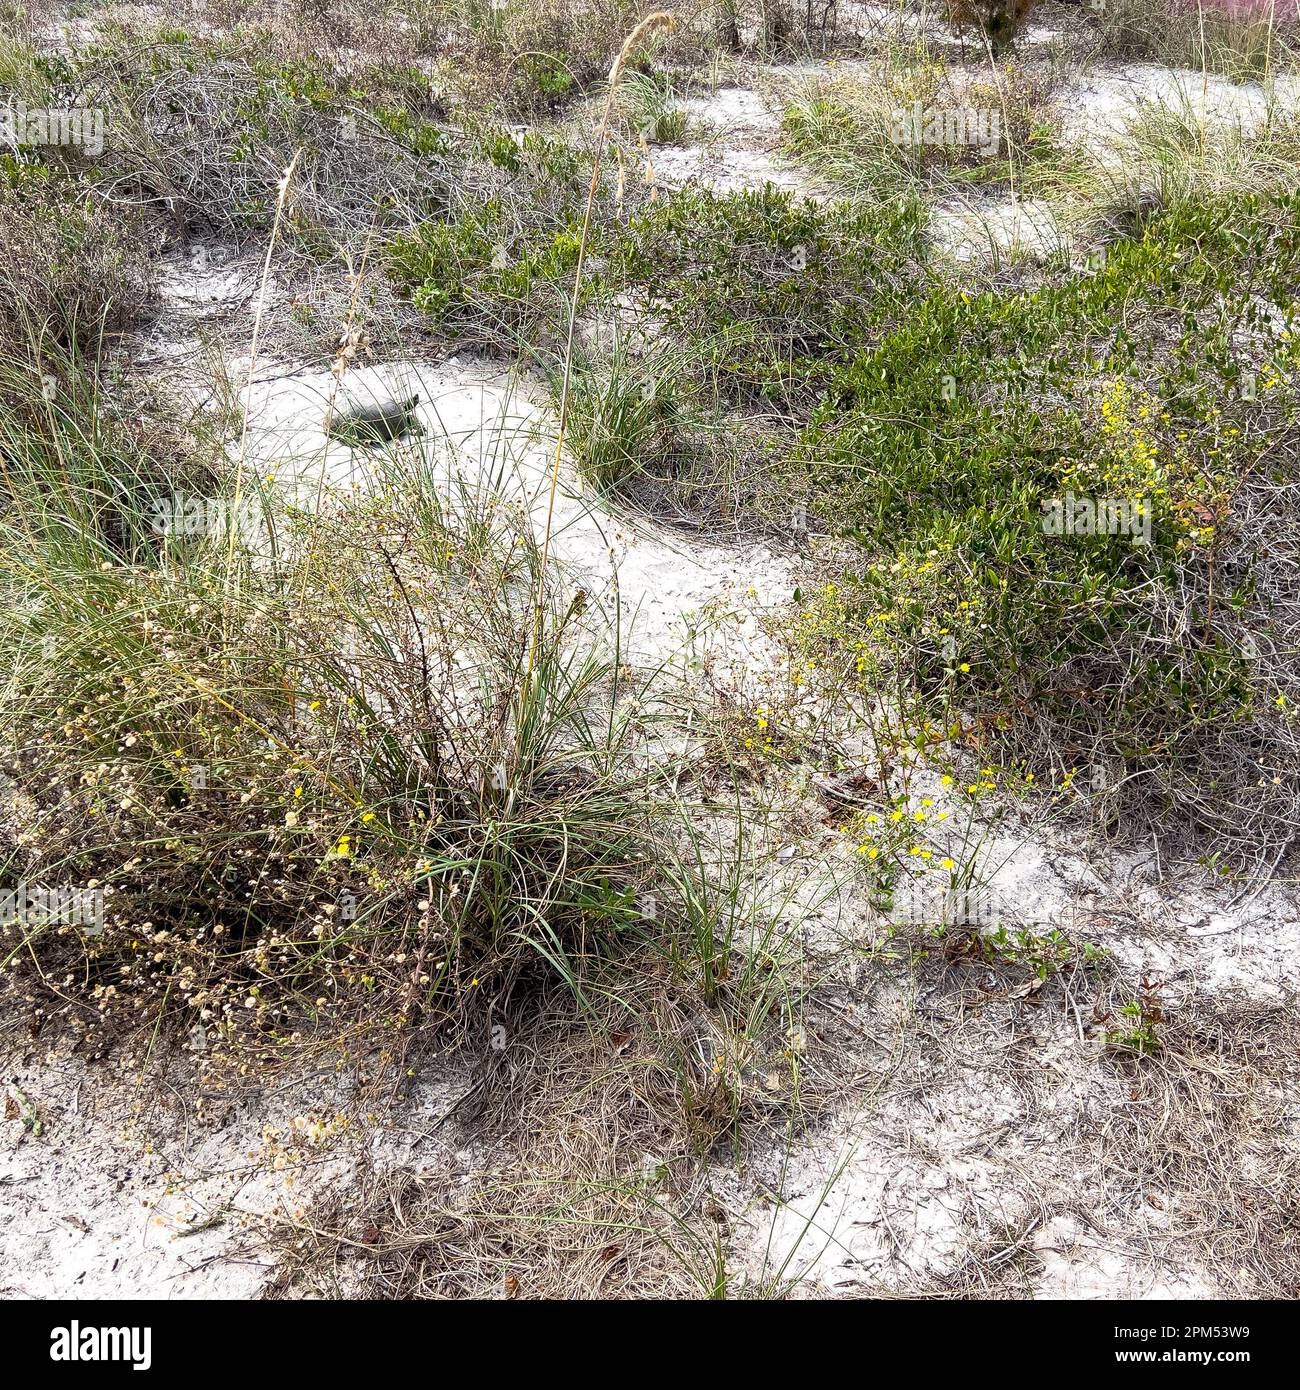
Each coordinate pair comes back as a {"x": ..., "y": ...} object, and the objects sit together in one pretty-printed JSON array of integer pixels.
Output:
[{"x": 1188, "y": 490}]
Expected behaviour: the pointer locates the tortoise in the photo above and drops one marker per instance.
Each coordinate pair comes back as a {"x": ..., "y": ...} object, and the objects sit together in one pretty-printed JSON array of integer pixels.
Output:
[{"x": 378, "y": 422}]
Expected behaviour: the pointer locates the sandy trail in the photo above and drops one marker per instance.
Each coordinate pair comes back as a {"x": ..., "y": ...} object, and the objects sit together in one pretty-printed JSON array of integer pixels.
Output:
[{"x": 484, "y": 432}]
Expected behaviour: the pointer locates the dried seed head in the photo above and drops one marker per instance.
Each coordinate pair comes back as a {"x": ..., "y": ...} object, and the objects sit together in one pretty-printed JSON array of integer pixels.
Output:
[{"x": 661, "y": 19}]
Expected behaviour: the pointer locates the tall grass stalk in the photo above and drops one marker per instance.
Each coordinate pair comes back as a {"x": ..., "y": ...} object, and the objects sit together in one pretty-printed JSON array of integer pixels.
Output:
[
  {"x": 281, "y": 202},
  {"x": 659, "y": 20}
]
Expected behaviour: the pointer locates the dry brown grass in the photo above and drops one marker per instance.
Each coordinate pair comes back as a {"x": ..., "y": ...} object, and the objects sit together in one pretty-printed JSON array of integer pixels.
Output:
[
  {"x": 594, "y": 1148},
  {"x": 1178, "y": 1164},
  {"x": 72, "y": 268}
]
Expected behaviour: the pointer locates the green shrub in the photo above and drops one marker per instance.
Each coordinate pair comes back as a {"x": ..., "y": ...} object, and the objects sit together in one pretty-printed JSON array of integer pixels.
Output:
[
  {"x": 485, "y": 280},
  {"x": 769, "y": 291},
  {"x": 1141, "y": 665}
]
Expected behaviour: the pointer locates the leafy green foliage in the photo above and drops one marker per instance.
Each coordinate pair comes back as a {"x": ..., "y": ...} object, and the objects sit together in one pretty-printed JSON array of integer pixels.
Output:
[
  {"x": 771, "y": 290},
  {"x": 945, "y": 441}
]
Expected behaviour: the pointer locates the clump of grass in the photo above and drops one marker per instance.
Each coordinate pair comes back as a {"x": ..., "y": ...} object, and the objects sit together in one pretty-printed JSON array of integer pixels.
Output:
[
  {"x": 646, "y": 425},
  {"x": 526, "y": 58},
  {"x": 627, "y": 415},
  {"x": 304, "y": 774},
  {"x": 911, "y": 123},
  {"x": 647, "y": 105},
  {"x": 1171, "y": 154},
  {"x": 1241, "y": 39}
]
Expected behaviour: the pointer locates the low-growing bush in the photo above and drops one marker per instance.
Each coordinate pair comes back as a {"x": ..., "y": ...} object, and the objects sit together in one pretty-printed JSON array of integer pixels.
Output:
[
  {"x": 501, "y": 269},
  {"x": 998, "y": 21},
  {"x": 202, "y": 133},
  {"x": 769, "y": 290},
  {"x": 1067, "y": 512}
]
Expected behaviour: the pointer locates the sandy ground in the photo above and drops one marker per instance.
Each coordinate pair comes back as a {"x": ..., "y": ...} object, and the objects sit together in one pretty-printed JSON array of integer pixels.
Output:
[
  {"x": 985, "y": 1112},
  {"x": 135, "y": 1189},
  {"x": 734, "y": 138},
  {"x": 486, "y": 432}
]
